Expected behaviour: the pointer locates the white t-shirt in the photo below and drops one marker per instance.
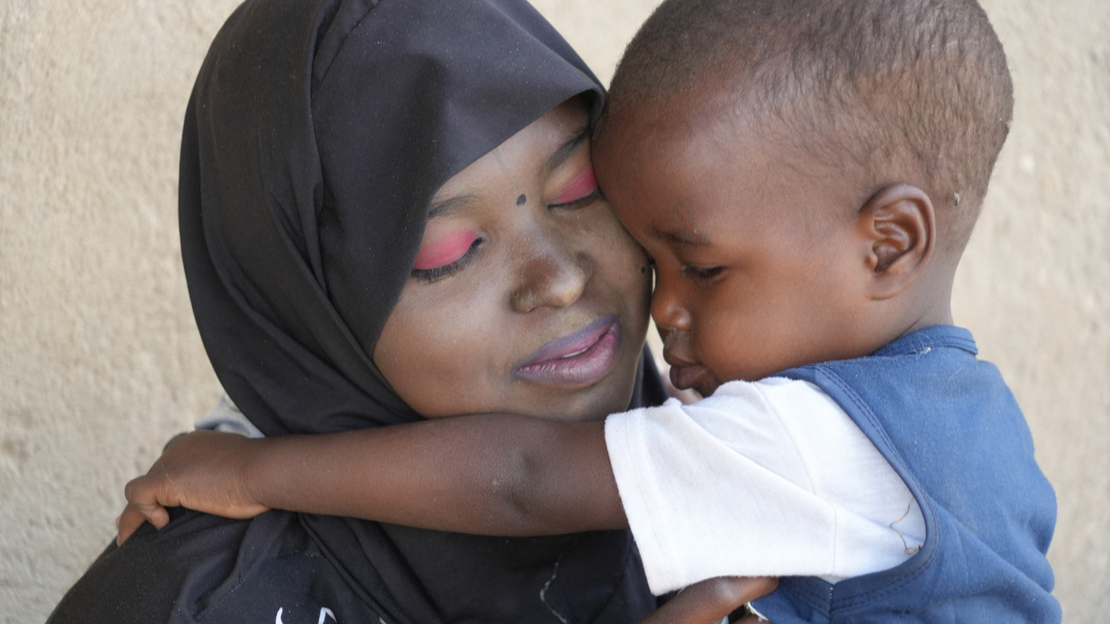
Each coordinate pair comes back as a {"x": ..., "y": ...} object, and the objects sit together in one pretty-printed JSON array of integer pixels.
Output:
[{"x": 770, "y": 478}]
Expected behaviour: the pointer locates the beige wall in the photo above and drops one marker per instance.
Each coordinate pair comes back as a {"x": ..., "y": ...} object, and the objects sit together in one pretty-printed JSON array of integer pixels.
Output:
[{"x": 99, "y": 358}]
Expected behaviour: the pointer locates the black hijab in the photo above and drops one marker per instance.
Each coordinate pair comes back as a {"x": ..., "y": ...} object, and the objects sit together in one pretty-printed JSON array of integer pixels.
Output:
[{"x": 316, "y": 135}]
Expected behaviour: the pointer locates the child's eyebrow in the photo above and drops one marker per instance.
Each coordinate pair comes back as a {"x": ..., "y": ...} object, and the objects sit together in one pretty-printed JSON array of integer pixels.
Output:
[
  {"x": 681, "y": 237},
  {"x": 566, "y": 150}
]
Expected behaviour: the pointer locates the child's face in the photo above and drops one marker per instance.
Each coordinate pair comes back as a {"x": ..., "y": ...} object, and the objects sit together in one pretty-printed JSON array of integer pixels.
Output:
[{"x": 760, "y": 263}]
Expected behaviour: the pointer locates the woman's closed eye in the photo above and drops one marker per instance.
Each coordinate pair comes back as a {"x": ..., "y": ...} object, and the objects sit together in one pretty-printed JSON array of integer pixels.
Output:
[
  {"x": 581, "y": 191},
  {"x": 446, "y": 256}
]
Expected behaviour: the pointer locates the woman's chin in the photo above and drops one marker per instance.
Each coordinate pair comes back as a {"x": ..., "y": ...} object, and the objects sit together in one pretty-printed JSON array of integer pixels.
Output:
[{"x": 609, "y": 396}]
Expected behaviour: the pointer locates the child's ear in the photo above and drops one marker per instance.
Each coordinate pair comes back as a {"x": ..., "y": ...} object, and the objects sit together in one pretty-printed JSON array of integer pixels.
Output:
[{"x": 900, "y": 224}]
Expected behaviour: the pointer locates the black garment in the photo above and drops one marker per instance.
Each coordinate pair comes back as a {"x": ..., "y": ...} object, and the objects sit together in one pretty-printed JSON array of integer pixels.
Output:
[{"x": 317, "y": 133}]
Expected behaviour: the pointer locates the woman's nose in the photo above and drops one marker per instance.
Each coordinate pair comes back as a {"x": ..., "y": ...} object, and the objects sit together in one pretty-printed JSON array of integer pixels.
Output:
[
  {"x": 551, "y": 275},
  {"x": 667, "y": 309}
]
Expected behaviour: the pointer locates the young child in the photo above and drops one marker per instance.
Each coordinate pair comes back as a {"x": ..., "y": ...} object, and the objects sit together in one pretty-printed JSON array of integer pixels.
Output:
[{"x": 805, "y": 176}]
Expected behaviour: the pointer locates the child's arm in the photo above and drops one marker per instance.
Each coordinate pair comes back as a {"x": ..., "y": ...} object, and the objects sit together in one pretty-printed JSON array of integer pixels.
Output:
[
  {"x": 498, "y": 475},
  {"x": 488, "y": 474}
]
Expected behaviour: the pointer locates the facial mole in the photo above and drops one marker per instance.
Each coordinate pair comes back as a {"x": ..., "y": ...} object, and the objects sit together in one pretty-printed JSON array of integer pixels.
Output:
[{"x": 523, "y": 199}]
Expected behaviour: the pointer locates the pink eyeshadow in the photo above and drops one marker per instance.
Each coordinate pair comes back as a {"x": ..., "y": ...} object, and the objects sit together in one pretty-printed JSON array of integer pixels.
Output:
[
  {"x": 582, "y": 186},
  {"x": 445, "y": 250}
]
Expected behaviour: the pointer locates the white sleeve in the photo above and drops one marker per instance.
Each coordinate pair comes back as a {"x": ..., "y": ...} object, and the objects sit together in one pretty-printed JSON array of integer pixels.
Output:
[{"x": 770, "y": 478}]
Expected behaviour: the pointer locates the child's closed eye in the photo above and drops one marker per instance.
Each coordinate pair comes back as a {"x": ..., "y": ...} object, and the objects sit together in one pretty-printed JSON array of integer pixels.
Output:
[{"x": 701, "y": 273}]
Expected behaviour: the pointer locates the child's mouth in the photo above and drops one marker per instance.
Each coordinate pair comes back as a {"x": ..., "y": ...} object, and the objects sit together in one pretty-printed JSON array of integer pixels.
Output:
[{"x": 695, "y": 376}]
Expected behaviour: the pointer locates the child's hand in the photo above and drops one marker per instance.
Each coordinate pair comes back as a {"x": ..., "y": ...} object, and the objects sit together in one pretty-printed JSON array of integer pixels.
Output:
[
  {"x": 712, "y": 600},
  {"x": 203, "y": 470}
]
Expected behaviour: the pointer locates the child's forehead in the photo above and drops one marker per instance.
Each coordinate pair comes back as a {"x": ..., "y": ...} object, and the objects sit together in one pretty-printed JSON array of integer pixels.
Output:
[
  {"x": 706, "y": 120},
  {"x": 679, "y": 146},
  {"x": 682, "y": 175},
  {"x": 671, "y": 113}
]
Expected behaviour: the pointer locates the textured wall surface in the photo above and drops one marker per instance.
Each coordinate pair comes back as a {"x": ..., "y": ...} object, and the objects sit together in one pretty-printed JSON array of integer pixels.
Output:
[{"x": 100, "y": 362}]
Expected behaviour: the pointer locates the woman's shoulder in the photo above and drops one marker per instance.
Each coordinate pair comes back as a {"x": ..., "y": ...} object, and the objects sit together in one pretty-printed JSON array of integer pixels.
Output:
[{"x": 203, "y": 568}]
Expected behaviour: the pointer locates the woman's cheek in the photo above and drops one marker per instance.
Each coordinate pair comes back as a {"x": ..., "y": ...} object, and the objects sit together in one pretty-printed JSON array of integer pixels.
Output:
[
  {"x": 628, "y": 263},
  {"x": 621, "y": 240}
]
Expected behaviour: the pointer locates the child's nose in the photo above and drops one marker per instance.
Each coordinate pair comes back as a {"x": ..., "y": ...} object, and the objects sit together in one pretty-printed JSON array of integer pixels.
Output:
[
  {"x": 551, "y": 275},
  {"x": 667, "y": 309}
]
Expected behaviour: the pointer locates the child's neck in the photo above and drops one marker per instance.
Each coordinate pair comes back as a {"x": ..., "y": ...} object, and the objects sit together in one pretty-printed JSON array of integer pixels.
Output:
[{"x": 931, "y": 306}]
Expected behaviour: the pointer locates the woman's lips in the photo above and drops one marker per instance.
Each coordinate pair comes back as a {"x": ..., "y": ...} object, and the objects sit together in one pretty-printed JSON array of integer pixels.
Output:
[{"x": 578, "y": 360}]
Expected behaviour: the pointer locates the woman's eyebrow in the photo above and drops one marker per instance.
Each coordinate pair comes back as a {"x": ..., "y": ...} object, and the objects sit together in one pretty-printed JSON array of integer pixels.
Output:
[
  {"x": 566, "y": 150},
  {"x": 448, "y": 206}
]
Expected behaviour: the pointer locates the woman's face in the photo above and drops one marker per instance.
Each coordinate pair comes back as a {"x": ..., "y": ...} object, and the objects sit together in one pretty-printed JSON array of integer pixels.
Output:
[{"x": 527, "y": 295}]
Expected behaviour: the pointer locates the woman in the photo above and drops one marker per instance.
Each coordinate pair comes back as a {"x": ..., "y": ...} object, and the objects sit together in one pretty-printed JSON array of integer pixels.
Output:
[{"x": 387, "y": 212}]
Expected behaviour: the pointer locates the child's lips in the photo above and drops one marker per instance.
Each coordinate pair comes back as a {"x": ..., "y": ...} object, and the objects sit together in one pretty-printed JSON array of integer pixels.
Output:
[
  {"x": 686, "y": 372},
  {"x": 695, "y": 376}
]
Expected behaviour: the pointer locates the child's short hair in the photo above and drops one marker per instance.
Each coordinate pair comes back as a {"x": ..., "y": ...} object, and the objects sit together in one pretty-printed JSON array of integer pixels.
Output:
[{"x": 911, "y": 91}]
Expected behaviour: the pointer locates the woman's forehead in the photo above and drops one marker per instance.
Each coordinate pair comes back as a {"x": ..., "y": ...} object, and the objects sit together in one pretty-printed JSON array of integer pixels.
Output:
[{"x": 537, "y": 150}]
